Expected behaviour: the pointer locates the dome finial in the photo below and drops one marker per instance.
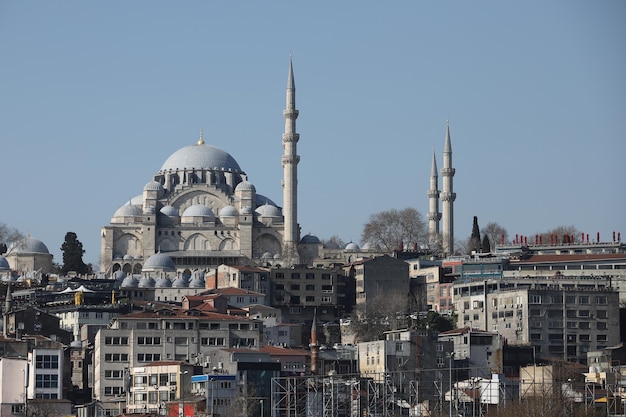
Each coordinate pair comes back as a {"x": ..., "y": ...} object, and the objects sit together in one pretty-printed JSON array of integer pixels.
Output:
[{"x": 201, "y": 140}]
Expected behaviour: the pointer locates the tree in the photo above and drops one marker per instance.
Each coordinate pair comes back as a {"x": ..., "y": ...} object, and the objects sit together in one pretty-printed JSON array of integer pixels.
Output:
[
  {"x": 334, "y": 240},
  {"x": 474, "y": 242},
  {"x": 485, "y": 247},
  {"x": 496, "y": 234},
  {"x": 393, "y": 229},
  {"x": 560, "y": 235},
  {"x": 73, "y": 255},
  {"x": 8, "y": 235}
]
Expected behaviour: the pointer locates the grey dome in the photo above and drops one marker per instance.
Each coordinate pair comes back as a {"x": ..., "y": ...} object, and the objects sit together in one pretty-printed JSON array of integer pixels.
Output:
[
  {"x": 129, "y": 282},
  {"x": 201, "y": 156},
  {"x": 246, "y": 210},
  {"x": 28, "y": 245},
  {"x": 128, "y": 210},
  {"x": 309, "y": 239},
  {"x": 228, "y": 211},
  {"x": 179, "y": 283},
  {"x": 170, "y": 211},
  {"x": 146, "y": 282},
  {"x": 128, "y": 258},
  {"x": 119, "y": 275},
  {"x": 352, "y": 246},
  {"x": 163, "y": 283},
  {"x": 261, "y": 200},
  {"x": 153, "y": 186},
  {"x": 245, "y": 186},
  {"x": 198, "y": 210},
  {"x": 267, "y": 210},
  {"x": 331, "y": 245},
  {"x": 196, "y": 282},
  {"x": 159, "y": 261},
  {"x": 4, "y": 264}
]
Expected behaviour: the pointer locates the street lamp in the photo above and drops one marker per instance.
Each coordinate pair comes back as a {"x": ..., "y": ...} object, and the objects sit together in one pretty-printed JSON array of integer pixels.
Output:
[
  {"x": 261, "y": 408},
  {"x": 212, "y": 398},
  {"x": 450, "y": 380}
]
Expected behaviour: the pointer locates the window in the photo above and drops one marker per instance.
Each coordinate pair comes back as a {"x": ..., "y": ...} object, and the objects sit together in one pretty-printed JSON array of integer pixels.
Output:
[
  {"x": 327, "y": 300},
  {"x": 149, "y": 340},
  {"x": 583, "y": 299},
  {"x": 601, "y": 338},
  {"x": 110, "y": 391},
  {"x": 212, "y": 341},
  {"x": 534, "y": 299},
  {"x": 310, "y": 275},
  {"x": 148, "y": 357},
  {"x": 46, "y": 381},
  {"x": 280, "y": 275},
  {"x": 310, "y": 299},
  {"x": 295, "y": 287},
  {"x": 601, "y": 325},
  {"x": 113, "y": 374},
  {"x": 601, "y": 300},
  {"x": 116, "y": 357},
  {"x": 310, "y": 287},
  {"x": 117, "y": 340},
  {"x": 325, "y": 276},
  {"x": 47, "y": 362},
  {"x": 327, "y": 289},
  {"x": 440, "y": 362},
  {"x": 295, "y": 275},
  {"x": 602, "y": 314}
]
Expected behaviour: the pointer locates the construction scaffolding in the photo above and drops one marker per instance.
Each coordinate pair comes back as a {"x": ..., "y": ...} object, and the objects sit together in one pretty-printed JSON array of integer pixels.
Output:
[{"x": 389, "y": 394}]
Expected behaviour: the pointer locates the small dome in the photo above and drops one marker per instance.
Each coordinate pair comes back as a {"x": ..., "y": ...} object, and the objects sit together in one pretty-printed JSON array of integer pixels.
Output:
[
  {"x": 163, "y": 282},
  {"x": 246, "y": 210},
  {"x": 128, "y": 210},
  {"x": 4, "y": 264},
  {"x": 159, "y": 261},
  {"x": 28, "y": 245},
  {"x": 179, "y": 283},
  {"x": 128, "y": 258},
  {"x": 266, "y": 255},
  {"x": 245, "y": 186},
  {"x": 146, "y": 282},
  {"x": 267, "y": 210},
  {"x": 170, "y": 211},
  {"x": 119, "y": 275},
  {"x": 129, "y": 282},
  {"x": 228, "y": 211},
  {"x": 196, "y": 282},
  {"x": 153, "y": 186},
  {"x": 309, "y": 239},
  {"x": 198, "y": 210},
  {"x": 352, "y": 246},
  {"x": 76, "y": 344},
  {"x": 370, "y": 246}
]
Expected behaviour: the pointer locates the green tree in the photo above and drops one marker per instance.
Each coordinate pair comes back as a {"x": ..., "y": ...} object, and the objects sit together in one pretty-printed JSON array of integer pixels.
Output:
[
  {"x": 486, "y": 245},
  {"x": 73, "y": 255},
  {"x": 393, "y": 229},
  {"x": 435, "y": 321},
  {"x": 475, "y": 242}
]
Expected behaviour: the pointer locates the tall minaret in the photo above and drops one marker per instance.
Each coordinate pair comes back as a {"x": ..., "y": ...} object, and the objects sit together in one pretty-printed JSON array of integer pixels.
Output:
[
  {"x": 448, "y": 196},
  {"x": 433, "y": 197},
  {"x": 290, "y": 174},
  {"x": 314, "y": 346}
]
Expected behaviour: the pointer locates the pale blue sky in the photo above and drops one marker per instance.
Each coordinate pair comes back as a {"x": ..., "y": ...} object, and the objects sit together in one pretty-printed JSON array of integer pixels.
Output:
[{"x": 94, "y": 96}]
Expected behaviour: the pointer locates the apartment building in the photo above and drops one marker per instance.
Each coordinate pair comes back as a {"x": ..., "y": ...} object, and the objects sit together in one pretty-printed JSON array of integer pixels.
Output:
[
  {"x": 164, "y": 334},
  {"x": 563, "y": 317}
]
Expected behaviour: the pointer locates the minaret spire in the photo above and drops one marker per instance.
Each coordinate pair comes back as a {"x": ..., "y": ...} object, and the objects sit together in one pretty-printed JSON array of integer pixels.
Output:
[
  {"x": 448, "y": 195},
  {"x": 314, "y": 346},
  {"x": 433, "y": 197},
  {"x": 290, "y": 161}
]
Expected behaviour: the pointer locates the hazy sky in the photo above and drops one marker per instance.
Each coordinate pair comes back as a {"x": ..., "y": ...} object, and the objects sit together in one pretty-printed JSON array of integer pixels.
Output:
[{"x": 94, "y": 96}]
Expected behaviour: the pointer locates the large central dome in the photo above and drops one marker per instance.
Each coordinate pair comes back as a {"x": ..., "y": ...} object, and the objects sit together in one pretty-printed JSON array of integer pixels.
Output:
[{"x": 201, "y": 156}]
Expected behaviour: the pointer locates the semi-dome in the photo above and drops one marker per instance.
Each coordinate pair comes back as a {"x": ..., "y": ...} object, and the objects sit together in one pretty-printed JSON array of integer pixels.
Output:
[
  {"x": 159, "y": 261},
  {"x": 245, "y": 186},
  {"x": 28, "y": 245},
  {"x": 153, "y": 186},
  {"x": 352, "y": 246},
  {"x": 261, "y": 199},
  {"x": 128, "y": 210},
  {"x": 247, "y": 210},
  {"x": 4, "y": 264},
  {"x": 128, "y": 257},
  {"x": 268, "y": 210},
  {"x": 201, "y": 156},
  {"x": 170, "y": 211},
  {"x": 198, "y": 210},
  {"x": 196, "y": 282},
  {"x": 309, "y": 239},
  {"x": 228, "y": 211}
]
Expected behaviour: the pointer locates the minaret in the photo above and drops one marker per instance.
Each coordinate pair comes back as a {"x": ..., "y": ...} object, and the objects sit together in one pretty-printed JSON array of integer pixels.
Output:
[
  {"x": 433, "y": 197},
  {"x": 290, "y": 161},
  {"x": 8, "y": 307},
  {"x": 448, "y": 196},
  {"x": 314, "y": 346}
]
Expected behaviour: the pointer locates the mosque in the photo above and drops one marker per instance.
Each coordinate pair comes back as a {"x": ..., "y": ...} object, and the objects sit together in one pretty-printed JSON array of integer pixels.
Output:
[{"x": 201, "y": 210}]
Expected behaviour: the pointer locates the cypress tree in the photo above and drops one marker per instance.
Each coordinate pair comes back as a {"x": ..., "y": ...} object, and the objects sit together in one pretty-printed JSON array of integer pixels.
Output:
[
  {"x": 73, "y": 255},
  {"x": 474, "y": 243}
]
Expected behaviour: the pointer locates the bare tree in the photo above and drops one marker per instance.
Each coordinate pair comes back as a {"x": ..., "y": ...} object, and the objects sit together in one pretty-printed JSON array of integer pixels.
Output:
[
  {"x": 560, "y": 235},
  {"x": 336, "y": 240},
  {"x": 384, "y": 311},
  {"x": 393, "y": 229},
  {"x": 8, "y": 236},
  {"x": 495, "y": 233}
]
